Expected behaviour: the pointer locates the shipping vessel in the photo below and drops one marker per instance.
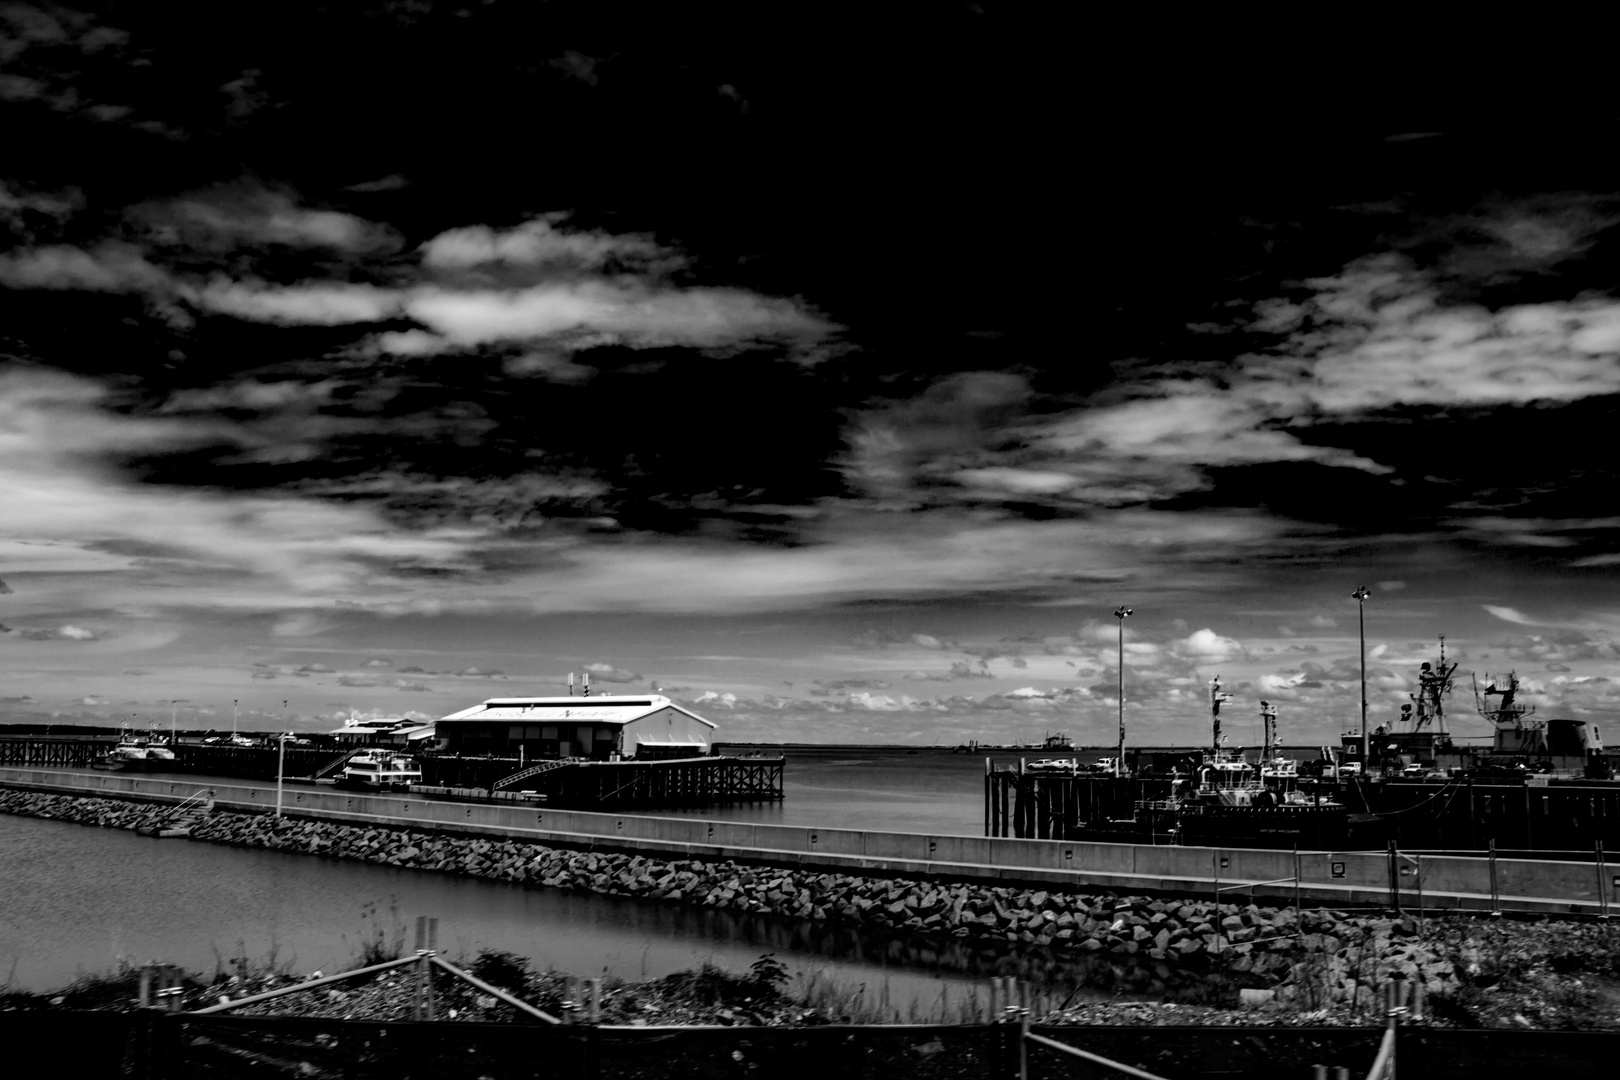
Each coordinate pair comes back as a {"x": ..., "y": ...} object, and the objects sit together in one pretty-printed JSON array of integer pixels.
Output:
[{"x": 1532, "y": 785}]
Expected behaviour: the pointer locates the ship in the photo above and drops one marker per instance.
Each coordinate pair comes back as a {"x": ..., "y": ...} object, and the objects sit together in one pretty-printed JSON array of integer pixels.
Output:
[
  {"x": 1214, "y": 797},
  {"x": 134, "y": 753},
  {"x": 1420, "y": 744},
  {"x": 1532, "y": 785},
  {"x": 377, "y": 769}
]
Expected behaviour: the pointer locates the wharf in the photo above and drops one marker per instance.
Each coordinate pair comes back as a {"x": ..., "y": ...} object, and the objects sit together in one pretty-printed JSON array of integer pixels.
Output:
[
  {"x": 602, "y": 785},
  {"x": 1455, "y": 814},
  {"x": 1336, "y": 878}
]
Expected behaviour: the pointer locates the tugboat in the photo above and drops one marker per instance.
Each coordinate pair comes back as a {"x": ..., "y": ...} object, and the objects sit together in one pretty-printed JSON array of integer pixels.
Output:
[{"x": 1229, "y": 801}]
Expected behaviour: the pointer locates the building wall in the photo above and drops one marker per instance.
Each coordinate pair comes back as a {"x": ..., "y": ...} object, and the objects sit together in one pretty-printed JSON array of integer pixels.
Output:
[
  {"x": 653, "y": 735},
  {"x": 506, "y": 738}
]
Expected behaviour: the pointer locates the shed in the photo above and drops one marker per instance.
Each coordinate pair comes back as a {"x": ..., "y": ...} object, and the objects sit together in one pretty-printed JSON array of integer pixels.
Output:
[{"x": 602, "y": 728}]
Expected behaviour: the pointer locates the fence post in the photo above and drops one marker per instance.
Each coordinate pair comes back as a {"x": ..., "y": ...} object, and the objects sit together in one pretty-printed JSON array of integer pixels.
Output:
[
  {"x": 1296, "y": 883},
  {"x": 427, "y": 972},
  {"x": 1603, "y": 886},
  {"x": 1023, "y": 1031},
  {"x": 1496, "y": 903},
  {"x": 1394, "y": 879},
  {"x": 1417, "y": 872}
]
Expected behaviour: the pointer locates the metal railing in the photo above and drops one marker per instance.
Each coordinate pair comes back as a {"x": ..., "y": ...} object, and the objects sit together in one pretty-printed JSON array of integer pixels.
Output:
[
  {"x": 1009, "y": 1004},
  {"x": 533, "y": 770},
  {"x": 422, "y": 1001},
  {"x": 199, "y": 801}
]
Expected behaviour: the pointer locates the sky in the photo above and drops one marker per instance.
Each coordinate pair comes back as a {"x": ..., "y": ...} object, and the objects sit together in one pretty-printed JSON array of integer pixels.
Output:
[{"x": 837, "y": 377}]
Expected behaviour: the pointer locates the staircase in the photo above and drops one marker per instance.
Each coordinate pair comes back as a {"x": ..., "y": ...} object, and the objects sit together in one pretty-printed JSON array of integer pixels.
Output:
[
  {"x": 533, "y": 770},
  {"x": 336, "y": 763},
  {"x": 182, "y": 817}
]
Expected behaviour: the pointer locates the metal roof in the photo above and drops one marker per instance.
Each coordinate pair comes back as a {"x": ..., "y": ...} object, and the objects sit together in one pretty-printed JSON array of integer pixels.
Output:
[
  {"x": 602, "y": 709},
  {"x": 415, "y": 729}
]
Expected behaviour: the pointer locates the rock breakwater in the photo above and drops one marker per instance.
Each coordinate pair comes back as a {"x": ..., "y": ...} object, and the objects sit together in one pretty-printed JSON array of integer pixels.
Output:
[{"x": 1192, "y": 949}]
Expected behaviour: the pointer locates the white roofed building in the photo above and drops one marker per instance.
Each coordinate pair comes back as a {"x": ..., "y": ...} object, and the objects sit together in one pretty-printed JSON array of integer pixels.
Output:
[
  {"x": 601, "y": 728},
  {"x": 414, "y": 734}
]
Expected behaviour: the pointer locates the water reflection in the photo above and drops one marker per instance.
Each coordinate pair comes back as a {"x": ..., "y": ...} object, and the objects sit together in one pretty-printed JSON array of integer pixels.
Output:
[{"x": 77, "y": 899}]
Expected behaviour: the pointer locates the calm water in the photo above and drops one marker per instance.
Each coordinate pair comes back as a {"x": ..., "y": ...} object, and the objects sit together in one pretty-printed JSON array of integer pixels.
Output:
[
  {"x": 77, "y": 900},
  {"x": 937, "y": 793}
]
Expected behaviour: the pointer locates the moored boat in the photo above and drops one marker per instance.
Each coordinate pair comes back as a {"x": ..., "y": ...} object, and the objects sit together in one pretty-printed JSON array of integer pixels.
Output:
[{"x": 377, "y": 769}]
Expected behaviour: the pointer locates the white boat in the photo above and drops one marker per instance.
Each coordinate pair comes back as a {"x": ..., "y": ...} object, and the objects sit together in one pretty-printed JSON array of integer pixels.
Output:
[
  {"x": 377, "y": 769},
  {"x": 135, "y": 752}
]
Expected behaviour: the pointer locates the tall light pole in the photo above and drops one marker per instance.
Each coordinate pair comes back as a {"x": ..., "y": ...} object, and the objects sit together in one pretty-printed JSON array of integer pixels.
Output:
[
  {"x": 281, "y": 757},
  {"x": 1360, "y": 597},
  {"x": 1120, "y": 613}
]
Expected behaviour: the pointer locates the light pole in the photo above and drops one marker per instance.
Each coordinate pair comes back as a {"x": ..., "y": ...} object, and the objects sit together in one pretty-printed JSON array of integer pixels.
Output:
[
  {"x": 1120, "y": 613},
  {"x": 1360, "y": 597},
  {"x": 281, "y": 757}
]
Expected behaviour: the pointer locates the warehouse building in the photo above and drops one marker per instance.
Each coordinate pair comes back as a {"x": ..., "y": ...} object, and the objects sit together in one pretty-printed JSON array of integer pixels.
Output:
[{"x": 637, "y": 727}]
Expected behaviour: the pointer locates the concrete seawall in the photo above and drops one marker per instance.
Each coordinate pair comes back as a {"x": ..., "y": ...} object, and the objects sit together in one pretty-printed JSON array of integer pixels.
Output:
[{"x": 1336, "y": 878}]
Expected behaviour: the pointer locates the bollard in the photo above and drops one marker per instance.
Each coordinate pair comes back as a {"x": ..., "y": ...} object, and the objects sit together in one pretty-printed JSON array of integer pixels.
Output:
[
  {"x": 1319, "y": 1072},
  {"x": 1341, "y": 1072}
]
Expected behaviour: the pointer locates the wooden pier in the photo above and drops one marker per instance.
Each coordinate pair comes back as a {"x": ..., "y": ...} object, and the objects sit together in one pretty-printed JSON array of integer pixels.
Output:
[
  {"x": 584, "y": 785},
  {"x": 615, "y": 785},
  {"x": 682, "y": 782},
  {"x": 1052, "y": 806},
  {"x": 54, "y": 751}
]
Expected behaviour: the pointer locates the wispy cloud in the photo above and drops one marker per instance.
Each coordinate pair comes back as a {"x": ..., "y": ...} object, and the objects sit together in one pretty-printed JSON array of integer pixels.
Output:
[{"x": 538, "y": 243}]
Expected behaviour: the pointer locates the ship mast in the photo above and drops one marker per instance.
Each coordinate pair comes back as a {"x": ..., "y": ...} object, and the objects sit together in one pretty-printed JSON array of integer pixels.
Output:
[
  {"x": 1268, "y": 721},
  {"x": 1215, "y": 699},
  {"x": 1433, "y": 686}
]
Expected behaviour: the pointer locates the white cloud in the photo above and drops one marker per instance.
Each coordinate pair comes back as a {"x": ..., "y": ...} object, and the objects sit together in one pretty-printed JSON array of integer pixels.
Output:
[
  {"x": 534, "y": 243},
  {"x": 111, "y": 267},
  {"x": 324, "y": 303},
  {"x": 634, "y": 313},
  {"x": 1511, "y": 615},
  {"x": 609, "y": 674},
  {"x": 239, "y": 214},
  {"x": 1208, "y": 646}
]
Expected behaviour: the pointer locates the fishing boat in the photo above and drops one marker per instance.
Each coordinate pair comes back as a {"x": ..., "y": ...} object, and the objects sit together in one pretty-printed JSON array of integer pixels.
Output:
[{"x": 378, "y": 770}]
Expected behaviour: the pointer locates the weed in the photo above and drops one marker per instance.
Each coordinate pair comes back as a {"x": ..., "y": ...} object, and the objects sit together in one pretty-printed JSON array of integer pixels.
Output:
[{"x": 503, "y": 970}]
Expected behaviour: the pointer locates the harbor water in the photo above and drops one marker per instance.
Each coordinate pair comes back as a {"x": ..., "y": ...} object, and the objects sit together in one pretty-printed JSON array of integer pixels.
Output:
[{"x": 77, "y": 900}]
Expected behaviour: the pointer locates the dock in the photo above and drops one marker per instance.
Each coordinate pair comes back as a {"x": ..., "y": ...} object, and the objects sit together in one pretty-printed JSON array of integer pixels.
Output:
[
  {"x": 675, "y": 783},
  {"x": 609, "y": 785},
  {"x": 1453, "y": 814}
]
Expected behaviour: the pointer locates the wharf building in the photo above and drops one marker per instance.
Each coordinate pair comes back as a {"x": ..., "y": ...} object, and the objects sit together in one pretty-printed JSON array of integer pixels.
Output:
[{"x": 641, "y": 727}]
